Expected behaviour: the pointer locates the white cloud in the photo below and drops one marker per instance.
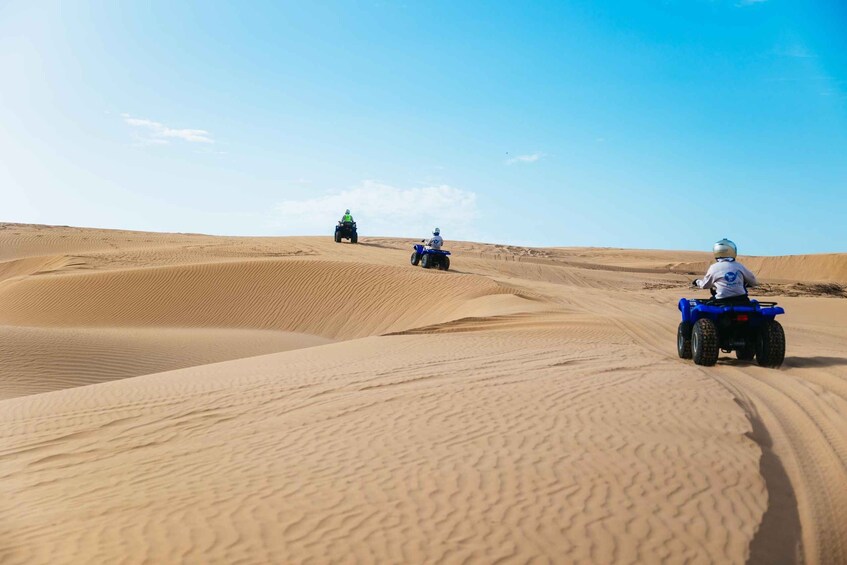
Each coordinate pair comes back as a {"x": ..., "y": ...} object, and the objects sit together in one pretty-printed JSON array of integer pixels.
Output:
[
  {"x": 381, "y": 209},
  {"x": 525, "y": 158},
  {"x": 151, "y": 132},
  {"x": 751, "y": 2}
]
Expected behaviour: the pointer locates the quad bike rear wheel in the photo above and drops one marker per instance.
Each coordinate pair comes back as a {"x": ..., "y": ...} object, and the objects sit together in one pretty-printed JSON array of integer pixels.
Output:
[
  {"x": 415, "y": 259},
  {"x": 444, "y": 263},
  {"x": 683, "y": 340},
  {"x": 770, "y": 345},
  {"x": 704, "y": 342}
]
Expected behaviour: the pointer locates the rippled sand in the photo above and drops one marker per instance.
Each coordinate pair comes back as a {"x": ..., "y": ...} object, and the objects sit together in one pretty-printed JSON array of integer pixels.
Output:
[{"x": 188, "y": 398}]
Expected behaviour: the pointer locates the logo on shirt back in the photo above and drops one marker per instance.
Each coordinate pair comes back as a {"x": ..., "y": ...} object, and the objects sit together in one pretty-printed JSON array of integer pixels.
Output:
[{"x": 730, "y": 277}]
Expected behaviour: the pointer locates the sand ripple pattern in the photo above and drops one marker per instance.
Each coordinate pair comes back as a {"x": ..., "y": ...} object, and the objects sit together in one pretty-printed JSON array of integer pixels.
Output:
[
  {"x": 496, "y": 450},
  {"x": 526, "y": 407},
  {"x": 37, "y": 360},
  {"x": 331, "y": 299}
]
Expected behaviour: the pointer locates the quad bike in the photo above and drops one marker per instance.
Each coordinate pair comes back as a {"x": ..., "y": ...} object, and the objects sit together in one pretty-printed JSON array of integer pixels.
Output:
[
  {"x": 749, "y": 329},
  {"x": 430, "y": 258},
  {"x": 346, "y": 230}
]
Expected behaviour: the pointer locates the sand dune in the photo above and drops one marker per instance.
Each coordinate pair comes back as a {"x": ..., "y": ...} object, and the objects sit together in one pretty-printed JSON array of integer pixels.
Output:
[
  {"x": 173, "y": 398},
  {"x": 803, "y": 268},
  {"x": 35, "y": 360},
  {"x": 319, "y": 297},
  {"x": 828, "y": 268}
]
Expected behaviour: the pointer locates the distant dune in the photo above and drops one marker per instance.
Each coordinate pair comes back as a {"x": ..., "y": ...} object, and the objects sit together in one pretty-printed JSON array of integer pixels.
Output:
[
  {"x": 182, "y": 397},
  {"x": 830, "y": 267}
]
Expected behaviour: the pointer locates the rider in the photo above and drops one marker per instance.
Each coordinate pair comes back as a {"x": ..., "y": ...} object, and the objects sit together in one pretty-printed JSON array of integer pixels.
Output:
[
  {"x": 727, "y": 277},
  {"x": 347, "y": 218},
  {"x": 435, "y": 242}
]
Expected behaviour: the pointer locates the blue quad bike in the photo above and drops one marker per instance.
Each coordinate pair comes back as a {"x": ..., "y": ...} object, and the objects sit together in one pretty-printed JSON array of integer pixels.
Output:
[
  {"x": 748, "y": 329},
  {"x": 346, "y": 230},
  {"x": 430, "y": 258}
]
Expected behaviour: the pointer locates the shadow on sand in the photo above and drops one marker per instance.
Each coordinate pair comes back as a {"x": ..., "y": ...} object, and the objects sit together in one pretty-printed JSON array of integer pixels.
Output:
[
  {"x": 778, "y": 540},
  {"x": 384, "y": 245},
  {"x": 792, "y": 362},
  {"x": 819, "y": 361}
]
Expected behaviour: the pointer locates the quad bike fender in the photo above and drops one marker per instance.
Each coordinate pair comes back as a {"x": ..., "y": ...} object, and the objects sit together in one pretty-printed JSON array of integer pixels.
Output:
[{"x": 685, "y": 307}]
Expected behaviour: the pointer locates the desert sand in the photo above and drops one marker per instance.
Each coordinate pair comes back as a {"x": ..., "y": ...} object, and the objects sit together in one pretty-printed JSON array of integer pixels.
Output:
[{"x": 174, "y": 398}]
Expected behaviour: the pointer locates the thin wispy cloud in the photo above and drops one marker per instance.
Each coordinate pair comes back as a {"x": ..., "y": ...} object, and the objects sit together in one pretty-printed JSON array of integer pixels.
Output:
[
  {"x": 534, "y": 157},
  {"x": 382, "y": 209},
  {"x": 750, "y": 2},
  {"x": 149, "y": 132}
]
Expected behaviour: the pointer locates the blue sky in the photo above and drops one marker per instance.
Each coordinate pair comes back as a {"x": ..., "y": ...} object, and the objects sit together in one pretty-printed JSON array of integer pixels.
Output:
[{"x": 654, "y": 124}]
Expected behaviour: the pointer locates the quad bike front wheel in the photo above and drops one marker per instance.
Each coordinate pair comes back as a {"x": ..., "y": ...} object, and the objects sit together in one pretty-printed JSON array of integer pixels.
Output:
[
  {"x": 426, "y": 261},
  {"x": 415, "y": 259},
  {"x": 337, "y": 237},
  {"x": 770, "y": 345},
  {"x": 683, "y": 340},
  {"x": 354, "y": 238},
  {"x": 704, "y": 342}
]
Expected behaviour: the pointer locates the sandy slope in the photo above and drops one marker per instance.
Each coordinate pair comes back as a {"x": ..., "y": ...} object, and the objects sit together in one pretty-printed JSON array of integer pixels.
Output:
[
  {"x": 528, "y": 405},
  {"x": 40, "y": 359}
]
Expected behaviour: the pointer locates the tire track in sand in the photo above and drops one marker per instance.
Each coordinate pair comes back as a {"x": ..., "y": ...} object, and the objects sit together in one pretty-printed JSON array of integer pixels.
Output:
[{"x": 801, "y": 427}]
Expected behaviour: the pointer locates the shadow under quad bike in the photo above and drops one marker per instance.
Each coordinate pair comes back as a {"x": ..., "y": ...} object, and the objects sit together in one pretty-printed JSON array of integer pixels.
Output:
[{"x": 750, "y": 329}]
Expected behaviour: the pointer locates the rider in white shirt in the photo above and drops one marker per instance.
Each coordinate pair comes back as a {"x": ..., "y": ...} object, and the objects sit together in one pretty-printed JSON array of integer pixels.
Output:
[
  {"x": 727, "y": 277},
  {"x": 435, "y": 242}
]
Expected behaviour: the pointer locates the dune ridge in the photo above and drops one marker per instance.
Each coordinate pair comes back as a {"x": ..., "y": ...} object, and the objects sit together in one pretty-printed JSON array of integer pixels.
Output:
[{"x": 331, "y": 299}]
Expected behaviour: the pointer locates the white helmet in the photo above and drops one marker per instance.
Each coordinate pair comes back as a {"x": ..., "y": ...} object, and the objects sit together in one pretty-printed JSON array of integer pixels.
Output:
[
  {"x": 725, "y": 249},
  {"x": 436, "y": 231}
]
